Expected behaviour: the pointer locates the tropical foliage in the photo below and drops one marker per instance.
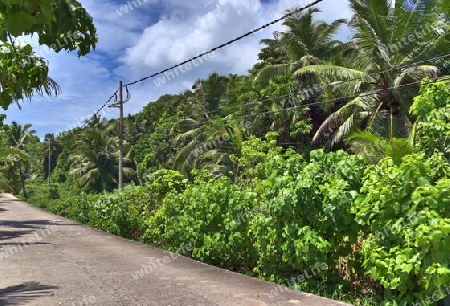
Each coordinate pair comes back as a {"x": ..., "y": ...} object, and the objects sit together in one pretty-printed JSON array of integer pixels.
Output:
[
  {"x": 60, "y": 24},
  {"x": 328, "y": 153}
]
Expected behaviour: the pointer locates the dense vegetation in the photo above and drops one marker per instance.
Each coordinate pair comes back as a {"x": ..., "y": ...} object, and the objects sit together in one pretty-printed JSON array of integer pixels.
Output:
[{"x": 327, "y": 152}]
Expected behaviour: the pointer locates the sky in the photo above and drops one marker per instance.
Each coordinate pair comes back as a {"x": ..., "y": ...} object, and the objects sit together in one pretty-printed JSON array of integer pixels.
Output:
[{"x": 138, "y": 40}]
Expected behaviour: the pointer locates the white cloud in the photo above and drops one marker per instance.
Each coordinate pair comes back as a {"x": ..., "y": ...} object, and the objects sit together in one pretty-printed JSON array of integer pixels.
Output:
[{"x": 151, "y": 37}]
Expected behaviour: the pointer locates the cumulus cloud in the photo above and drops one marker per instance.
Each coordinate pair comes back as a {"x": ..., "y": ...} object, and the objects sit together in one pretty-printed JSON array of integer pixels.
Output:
[{"x": 150, "y": 37}]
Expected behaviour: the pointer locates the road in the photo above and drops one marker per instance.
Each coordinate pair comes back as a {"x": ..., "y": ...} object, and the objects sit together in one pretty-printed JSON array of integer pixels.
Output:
[{"x": 49, "y": 260}]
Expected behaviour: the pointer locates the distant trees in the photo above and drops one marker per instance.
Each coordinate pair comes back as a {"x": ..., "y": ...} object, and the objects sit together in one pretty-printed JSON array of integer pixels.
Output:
[
  {"x": 93, "y": 157},
  {"x": 17, "y": 138}
]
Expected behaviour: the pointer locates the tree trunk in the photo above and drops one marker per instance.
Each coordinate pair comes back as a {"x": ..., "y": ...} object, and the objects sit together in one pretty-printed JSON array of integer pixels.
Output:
[{"x": 22, "y": 179}]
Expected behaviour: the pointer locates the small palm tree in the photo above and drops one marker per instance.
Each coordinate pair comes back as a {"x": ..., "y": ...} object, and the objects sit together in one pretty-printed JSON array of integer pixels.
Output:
[
  {"x": 95, "y": 161},
  {"x": 202, "y": 141},
  {"x": 374, "y": 147},
  {"x": 207, "y": 147},
  {"x": 17, "y": 137}
]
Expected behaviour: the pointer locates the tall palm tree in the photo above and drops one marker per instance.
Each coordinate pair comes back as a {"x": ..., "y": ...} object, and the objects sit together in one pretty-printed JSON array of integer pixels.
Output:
[
  {"x": 17, "y": 137},
  {"x": 378, "y": 73},
  {"x": 52, "y": 149},
  {"x": 307, "y": 41}
]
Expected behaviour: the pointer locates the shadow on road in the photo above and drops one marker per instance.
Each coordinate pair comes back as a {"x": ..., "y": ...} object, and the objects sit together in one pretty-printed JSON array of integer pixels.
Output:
[
  {"x": 7, "y": 235},
  {"x": 19, "y": 244},
  {"x": 24, "y": 293},
  {"x": 16, "y": 229},
  {"x": 31, "y": 224}
]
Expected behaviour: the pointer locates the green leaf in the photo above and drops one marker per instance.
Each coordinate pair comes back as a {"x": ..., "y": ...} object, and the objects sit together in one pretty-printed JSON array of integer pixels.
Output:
[{"x": 18, "y": 23}]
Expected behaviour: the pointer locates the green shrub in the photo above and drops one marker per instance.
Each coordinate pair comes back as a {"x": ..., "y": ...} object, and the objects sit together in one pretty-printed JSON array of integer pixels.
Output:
[
  {"x": 307, "y": 214},
  {"x": 53, "y": 192},
  {"x": 432, "y": 107},
  {"x": 406, "y": 214},
  {"x": 213, "y": 216},
  {"x": 116, "y": 214}
]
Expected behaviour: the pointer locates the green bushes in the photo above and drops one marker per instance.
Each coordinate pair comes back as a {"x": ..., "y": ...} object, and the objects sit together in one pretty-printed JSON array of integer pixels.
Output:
[
  {"x": 432, "y": 108},
  {"x": 213, "y": 216},
  {"x": 125, "y": 213},
  {"x": 116, "y": 214},
  {"x": 406, "y": 214},
  {"x": 307, "y": 215},
  {"x": 381, "y": 226}
]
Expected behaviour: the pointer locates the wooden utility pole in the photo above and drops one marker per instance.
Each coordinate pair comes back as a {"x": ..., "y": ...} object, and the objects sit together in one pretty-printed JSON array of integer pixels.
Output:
[
  {"x": 120, "y": 137},
  {"x": 49, "y": 160}
]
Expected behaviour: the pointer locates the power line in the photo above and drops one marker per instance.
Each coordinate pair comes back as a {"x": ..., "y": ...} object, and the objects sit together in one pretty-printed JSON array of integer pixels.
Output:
[
  {"x": 240, "y": 38},
  {"x": 229, "y": 42},
  {"x": 409, "y": 65},
  {"x": 114, "y": 95},
  {"x": 205, "y": 53},
  {"x": 320, "y": 102}
]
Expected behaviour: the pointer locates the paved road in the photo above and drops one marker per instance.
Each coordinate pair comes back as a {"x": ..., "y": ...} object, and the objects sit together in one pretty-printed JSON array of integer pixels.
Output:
[{"x": 49, "y": 260}]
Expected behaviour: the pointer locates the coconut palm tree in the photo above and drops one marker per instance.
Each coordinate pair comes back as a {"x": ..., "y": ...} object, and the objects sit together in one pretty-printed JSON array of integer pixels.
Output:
[
  {"x": 94, "y": 165},
  {"x": 52, "y": 149},
  {"x": 207, "y": 147},
  {"x": 307, "y": 41},
  {"x": 379, "y": 74},
  {"x": 17, "y": 137},
  {"x": 202, "y": 141}
]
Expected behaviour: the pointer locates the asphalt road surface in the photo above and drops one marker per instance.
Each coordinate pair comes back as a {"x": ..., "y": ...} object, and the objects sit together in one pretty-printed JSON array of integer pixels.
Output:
[{"x": 49, "y": 260}]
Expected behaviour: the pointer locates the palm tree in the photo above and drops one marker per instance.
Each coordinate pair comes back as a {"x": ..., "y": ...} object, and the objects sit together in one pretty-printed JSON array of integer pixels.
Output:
[
  {"x": 378, "y": 74},
  {"x": 6, "y": 156},
  {"x": 307, "y": 41},
  {"x": 17, "y": 137},
  {"x": 95, "y": 161},
  {"x": 374, "y": 147},
  {"x": 52, "y": 149},
  {"x": 207, "y": 147},
  {"x": 203, "y": 141}
]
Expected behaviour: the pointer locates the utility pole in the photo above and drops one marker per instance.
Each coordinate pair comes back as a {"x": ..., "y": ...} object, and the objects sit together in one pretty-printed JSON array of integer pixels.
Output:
[
  {"x": 120, "y": 137},
  {"x": 119, "y": 104},
  {"x": 49, "y": 159}
]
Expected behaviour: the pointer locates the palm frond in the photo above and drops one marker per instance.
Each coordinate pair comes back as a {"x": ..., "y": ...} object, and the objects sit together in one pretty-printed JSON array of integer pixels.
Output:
[
  {"x": 334, "y": 73},
  {"x": 375, "y": 147},
  {"x": 270, "y": 72},
  {"x": 333, "y": 123}
]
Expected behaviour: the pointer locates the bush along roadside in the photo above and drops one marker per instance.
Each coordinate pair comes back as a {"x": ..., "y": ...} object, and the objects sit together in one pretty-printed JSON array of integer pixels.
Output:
[{"x": 380, "y": 231}]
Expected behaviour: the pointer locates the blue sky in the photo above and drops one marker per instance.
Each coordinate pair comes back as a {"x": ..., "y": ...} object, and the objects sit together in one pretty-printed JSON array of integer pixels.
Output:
[{"x": 149, "y": 38}]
